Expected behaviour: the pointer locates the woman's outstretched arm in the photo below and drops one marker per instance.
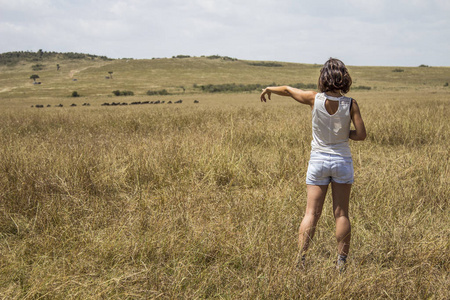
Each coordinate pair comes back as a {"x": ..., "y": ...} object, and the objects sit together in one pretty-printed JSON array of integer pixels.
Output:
[{"x": 304, "y": 97}]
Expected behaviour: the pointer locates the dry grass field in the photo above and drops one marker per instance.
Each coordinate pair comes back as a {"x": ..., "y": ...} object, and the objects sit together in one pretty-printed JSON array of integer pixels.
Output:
[{"x": 189, "y": 201}]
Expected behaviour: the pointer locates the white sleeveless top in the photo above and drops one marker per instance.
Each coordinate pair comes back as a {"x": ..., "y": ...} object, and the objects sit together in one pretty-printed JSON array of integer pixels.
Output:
[{"x": 331, "y": 132}]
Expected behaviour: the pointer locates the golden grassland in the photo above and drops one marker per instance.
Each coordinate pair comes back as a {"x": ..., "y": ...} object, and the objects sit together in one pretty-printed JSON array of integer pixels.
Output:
[{"x": 204, "y": 200}]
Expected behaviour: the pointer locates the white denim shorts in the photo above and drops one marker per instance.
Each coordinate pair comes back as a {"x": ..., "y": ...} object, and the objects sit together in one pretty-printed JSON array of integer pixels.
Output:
[{"x": 324, "y": 168}]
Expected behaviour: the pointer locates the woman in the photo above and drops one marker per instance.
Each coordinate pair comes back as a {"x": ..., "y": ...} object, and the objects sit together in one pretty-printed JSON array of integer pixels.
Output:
[{"x": 331, "y": 160}]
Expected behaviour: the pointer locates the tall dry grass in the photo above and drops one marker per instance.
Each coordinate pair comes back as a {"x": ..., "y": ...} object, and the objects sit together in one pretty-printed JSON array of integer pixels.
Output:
[{"x": 204, "y": 201}]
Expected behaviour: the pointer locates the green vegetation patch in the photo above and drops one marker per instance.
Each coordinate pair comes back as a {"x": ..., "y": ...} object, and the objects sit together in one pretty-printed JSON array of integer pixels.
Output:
[
  {"x": 159, "y": 92},
  {"x": 361, "y": 87},
  {"x": 230, "y": 87},
  {"x": 12, "y": 58},
  {"x": 123, "y": 93},
  {"x": 265, "y": 64},
  {"x": 37, "y": 67},
  {"x": 239, "y": 88}
]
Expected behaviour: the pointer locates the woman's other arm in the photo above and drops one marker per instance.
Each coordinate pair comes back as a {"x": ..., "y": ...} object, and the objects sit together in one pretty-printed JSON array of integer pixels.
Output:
[{"x": 359, "y": 134}]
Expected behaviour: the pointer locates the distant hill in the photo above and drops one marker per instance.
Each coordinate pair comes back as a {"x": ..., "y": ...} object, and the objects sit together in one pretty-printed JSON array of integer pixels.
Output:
[
  {"x": 12, "y": 58},
  {"x": 89, "y": 75},
  {"x": 62, "y": 73}
]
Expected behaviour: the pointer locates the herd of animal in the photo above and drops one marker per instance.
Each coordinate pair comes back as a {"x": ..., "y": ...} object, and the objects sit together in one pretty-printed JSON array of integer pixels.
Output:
[
  {"x": 59, "y": 105},
  {"x": 117, "y": 103}
]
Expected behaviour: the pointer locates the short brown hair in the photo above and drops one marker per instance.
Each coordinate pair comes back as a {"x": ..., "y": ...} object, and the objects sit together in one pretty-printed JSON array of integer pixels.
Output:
[{"x": 334, "y": 76}]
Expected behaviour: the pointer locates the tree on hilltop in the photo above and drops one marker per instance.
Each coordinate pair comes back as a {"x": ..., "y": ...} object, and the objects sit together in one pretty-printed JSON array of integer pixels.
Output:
[
  {"x": 34, "y": 77},
  {"x": 110, "y": 74}
]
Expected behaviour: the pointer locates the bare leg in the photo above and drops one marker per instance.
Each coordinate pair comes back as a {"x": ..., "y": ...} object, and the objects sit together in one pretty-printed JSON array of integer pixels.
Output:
[
  {"x": 314, "y": 204},
  {"x": 341, "y": 196}
]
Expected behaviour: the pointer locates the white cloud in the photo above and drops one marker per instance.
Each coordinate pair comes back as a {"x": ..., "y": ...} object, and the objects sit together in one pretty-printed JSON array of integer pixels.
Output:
[{"x": 379, "y": 32}]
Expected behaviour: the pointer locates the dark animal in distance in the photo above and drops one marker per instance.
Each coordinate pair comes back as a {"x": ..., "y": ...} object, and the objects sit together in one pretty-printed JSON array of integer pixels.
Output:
[
  {"x": 138, "y": 103},
  {"x": 116, "y": 103}
]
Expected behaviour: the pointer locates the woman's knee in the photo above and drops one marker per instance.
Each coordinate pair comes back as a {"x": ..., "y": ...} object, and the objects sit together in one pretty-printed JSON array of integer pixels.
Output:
[
  {"x": 340, "y": 213},
  {"x": 313, "y": 213}
]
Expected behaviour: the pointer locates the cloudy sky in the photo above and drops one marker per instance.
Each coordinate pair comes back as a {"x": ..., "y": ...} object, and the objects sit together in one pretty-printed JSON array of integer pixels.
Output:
[{"x": 360, "y": 32}]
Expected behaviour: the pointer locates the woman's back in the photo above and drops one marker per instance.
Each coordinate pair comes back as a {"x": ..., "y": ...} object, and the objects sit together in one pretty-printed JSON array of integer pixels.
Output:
[{"x": 331, "y": 126}]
